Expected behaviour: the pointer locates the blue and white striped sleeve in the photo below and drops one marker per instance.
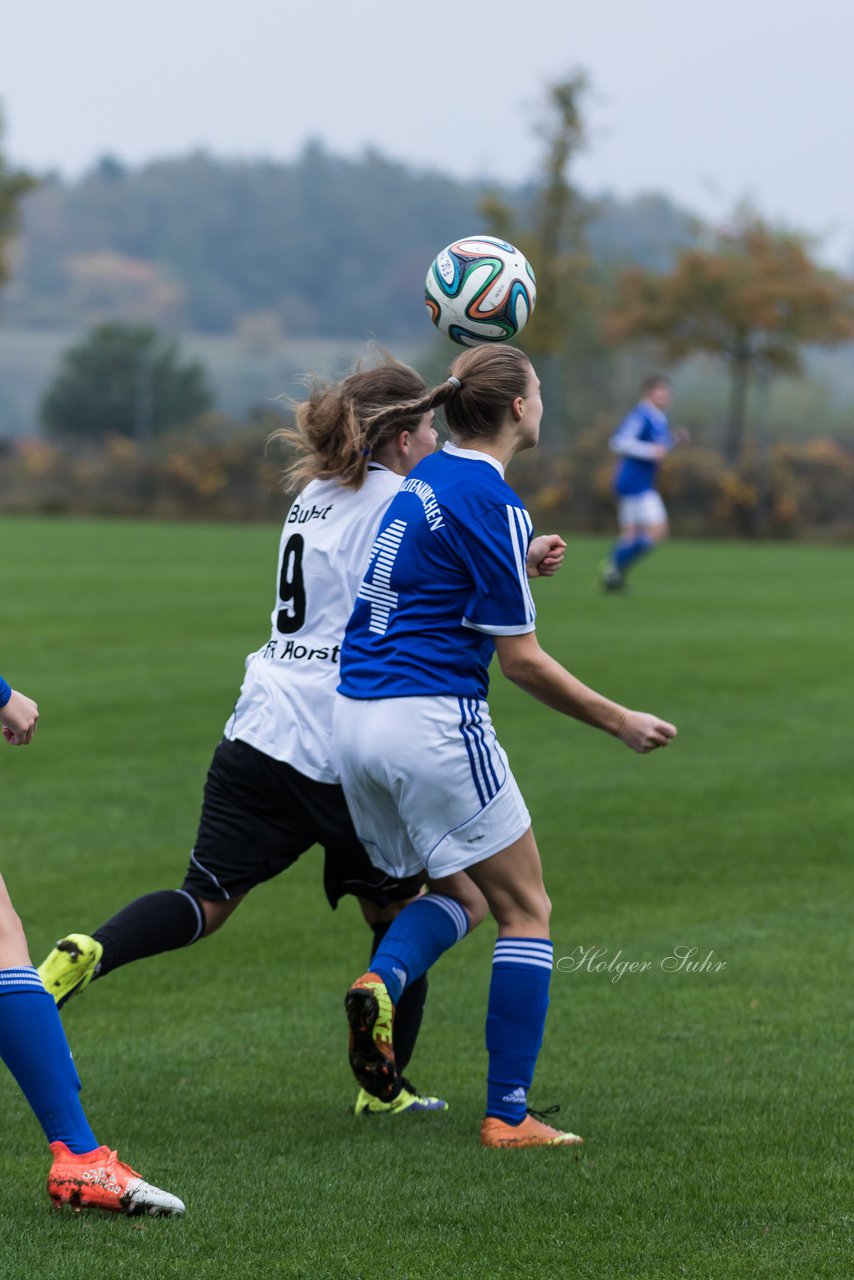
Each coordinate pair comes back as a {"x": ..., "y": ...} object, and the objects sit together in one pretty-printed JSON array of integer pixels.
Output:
[
  {"x": 627, "y": 440},
  {"x": 495, "y": 549}
]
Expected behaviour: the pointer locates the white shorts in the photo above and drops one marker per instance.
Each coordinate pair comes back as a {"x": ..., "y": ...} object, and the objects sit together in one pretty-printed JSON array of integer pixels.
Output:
[
  {"x": 644, "y": 509},
  {"x": 427, "y": 783}
]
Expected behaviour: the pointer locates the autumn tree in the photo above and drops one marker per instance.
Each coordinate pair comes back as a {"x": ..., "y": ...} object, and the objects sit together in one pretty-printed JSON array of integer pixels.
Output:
[
  {"x": 13, "y": 185},
  {"x": 125, "y": 380},
  {"x": 753, "y": 298},
  {"x": 563, "y": 338}
]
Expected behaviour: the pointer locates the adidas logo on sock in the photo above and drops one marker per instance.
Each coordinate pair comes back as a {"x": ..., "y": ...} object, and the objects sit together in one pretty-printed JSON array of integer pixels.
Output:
[{"x": 518, "y": 1095}]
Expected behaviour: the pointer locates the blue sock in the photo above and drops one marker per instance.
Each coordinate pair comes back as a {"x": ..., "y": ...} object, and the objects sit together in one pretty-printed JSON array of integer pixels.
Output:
[
  {"x": 34, "y": 1048},
  {"x": 518, "y": 1002},
  {"x": 416, "y": 938},
  {"x": 626, "y": 552}
]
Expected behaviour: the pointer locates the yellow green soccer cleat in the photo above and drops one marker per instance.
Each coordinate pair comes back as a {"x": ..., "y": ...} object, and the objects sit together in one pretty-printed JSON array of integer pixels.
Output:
[
  {"x": 408, "y": 1102},
  {"x": 71, "y": 966},
  {"x": 370, "y": 1013}
]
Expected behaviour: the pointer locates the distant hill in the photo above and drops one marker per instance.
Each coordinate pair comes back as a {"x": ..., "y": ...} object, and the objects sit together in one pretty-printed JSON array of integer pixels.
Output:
[{"x": 321, "y": 247}]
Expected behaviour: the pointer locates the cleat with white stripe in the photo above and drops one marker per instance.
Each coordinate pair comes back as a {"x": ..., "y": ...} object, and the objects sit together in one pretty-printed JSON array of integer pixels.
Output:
[
  {"x": 532, "y": 1132},
  {"x": 100, "y": 1180}
]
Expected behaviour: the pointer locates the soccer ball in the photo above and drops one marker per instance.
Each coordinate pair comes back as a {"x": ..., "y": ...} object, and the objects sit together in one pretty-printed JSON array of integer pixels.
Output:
[{"x": 480, "y": 289}]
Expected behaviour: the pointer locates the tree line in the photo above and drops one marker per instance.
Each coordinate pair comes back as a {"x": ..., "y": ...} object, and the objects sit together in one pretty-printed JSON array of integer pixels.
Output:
[
  {"x": 320, "y": 246},
  {"x": 339, "y": 247}
]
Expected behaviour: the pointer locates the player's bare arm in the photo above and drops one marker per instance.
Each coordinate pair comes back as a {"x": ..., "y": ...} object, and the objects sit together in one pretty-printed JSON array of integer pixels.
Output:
[{"x": 532, "y": 669}]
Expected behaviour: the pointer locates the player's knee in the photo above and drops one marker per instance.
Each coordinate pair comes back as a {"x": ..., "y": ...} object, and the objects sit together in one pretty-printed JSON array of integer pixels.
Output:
[
  {"x": 540, "y": 909},
  {"x": 477, "y": 910},
  {"x": 464, "y": 891},
  {"x": 527, "y": 913},
  {"x": 215, "y": 913},
  {"x": 472, "y": 901},
  {"x": 537, "y": 906}
]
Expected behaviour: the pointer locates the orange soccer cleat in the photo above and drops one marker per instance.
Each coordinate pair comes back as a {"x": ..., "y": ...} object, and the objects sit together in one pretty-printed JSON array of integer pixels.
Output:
[
  {"x": 100, "y": 1180},
  {"x": 530, "y": 1133},
  {"x": 370, "y": 1012}
]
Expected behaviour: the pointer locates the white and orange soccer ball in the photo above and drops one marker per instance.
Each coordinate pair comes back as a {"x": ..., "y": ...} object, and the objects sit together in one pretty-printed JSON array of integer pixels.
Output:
[{"x": 480, "y": 289}]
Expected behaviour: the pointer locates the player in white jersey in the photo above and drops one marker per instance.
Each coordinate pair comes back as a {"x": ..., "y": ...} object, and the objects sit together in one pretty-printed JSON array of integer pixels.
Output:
[
  {"x": 34, "y": 1048},
  {"x": 273, "y": 790},
  {"x": 427, "y": 781}
]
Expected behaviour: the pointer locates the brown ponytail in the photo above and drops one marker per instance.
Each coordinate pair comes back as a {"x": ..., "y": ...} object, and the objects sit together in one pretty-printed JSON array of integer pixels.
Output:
[
  {"x": 339, "y": 424},
  {"x": 483, "y": 383},
  {"x": 490, "y": 378}
]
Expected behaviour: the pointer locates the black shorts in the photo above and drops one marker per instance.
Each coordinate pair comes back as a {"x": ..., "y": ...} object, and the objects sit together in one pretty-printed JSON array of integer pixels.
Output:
[{"x": 259, "y": 815}]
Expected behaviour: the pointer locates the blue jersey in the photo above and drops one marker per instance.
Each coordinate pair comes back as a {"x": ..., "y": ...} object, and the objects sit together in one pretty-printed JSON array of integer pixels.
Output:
[
  {"x": 446, "y": 574},
  {"x": 637, "y": 440}
]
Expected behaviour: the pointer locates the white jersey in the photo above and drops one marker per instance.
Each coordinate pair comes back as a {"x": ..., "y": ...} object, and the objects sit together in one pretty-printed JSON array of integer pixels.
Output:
[{"x": 286, "y": 699}]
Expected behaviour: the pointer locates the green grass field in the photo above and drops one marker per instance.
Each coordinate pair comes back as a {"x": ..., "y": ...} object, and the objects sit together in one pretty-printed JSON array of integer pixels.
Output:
[{"x": 716, "y": 1105}]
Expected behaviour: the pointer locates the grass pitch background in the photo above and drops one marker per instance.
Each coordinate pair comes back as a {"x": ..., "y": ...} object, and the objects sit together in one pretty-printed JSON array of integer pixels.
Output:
[{"x": 716, "y": 1106}]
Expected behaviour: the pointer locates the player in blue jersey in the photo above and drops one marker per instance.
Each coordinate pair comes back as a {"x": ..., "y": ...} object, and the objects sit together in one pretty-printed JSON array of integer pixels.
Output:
[
  {"x": 641, "y": 440},
  {"x": 428, "y": 784},
  {"x": 34, "y": 1048},
  {"x": 272, "y": 790}
]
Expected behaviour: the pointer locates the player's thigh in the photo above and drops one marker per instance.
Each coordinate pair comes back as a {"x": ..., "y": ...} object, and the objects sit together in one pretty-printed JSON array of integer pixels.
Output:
[
  {"x": 651, "y": 512},
  {"x": 216, "y": 911},
  {"x": 371, "y": 751},
  {"x": 511, "y": 881},
  {"x": 254, "y": 823},
  {"x": 639, "y": 513},
  {"x": 427, "y": 781},
  {"x": 627, "y": 516}
]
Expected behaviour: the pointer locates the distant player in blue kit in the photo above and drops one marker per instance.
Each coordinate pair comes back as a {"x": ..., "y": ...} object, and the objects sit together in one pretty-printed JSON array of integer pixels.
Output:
[
  {"x": 427, "y": 782},
  {"x": 34, "y": 1048},
  {"x": 641, "y": 440}
]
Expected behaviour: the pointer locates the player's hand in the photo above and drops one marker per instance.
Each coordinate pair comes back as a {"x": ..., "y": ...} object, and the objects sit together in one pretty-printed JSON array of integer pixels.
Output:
[
  {"x": 682, "y": 435},
  {"x": 644, "y": 732},
  {"x": 19, "y": 718},
  {"x": 545, "y": 555}
]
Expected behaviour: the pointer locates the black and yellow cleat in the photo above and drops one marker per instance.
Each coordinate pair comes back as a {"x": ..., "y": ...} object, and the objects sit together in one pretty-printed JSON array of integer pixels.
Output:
[
  {"x": 71, "y": 966},
  {"x": 370, "y": 1013},
  {"x": 408, "y": 1102}
]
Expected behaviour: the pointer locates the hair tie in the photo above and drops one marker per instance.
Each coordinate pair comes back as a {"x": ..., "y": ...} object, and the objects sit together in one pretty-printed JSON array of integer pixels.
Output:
[
  {"x": 366, "y": 452},
  {"x": 455, "y": 382}
]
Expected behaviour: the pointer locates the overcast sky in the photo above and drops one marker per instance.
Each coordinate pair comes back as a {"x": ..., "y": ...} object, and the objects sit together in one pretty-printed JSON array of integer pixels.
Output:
[{"x": 708, "y": 103}]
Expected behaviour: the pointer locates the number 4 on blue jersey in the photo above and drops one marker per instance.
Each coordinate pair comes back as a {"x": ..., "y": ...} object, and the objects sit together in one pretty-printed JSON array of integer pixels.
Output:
[{"x": 376, "y": 587}]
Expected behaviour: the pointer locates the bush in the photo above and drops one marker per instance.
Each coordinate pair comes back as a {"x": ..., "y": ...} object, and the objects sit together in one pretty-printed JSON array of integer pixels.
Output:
[{"x": 125, "y": 380}]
